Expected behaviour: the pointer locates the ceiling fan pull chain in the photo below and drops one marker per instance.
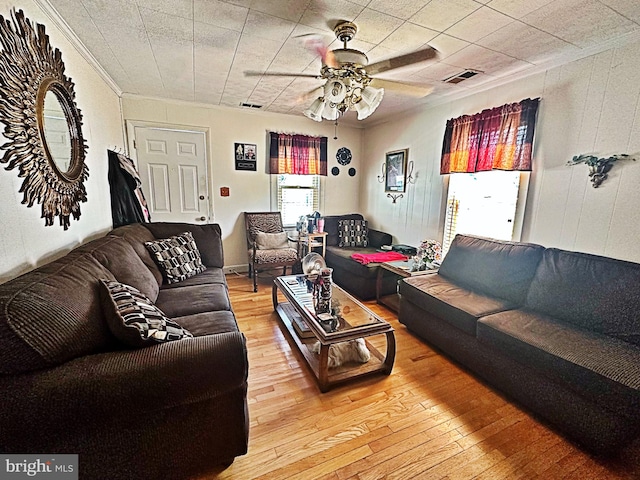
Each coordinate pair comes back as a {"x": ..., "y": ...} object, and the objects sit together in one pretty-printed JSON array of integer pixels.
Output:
[{"x": 335, "y": 133}]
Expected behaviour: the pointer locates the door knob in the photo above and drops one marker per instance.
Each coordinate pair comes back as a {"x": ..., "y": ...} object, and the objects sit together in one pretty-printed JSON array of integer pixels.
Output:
[
  {"x": 201, "y": 197},
  {"x": 202, "y": 219}
]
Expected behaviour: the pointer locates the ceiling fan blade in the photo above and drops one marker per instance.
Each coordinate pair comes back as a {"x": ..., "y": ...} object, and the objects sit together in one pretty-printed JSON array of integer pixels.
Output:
[
  {"x": 305, "y": 97},
  {"x": 254, "y": 73},
  {"x": 410, "y": 89},
  {"x": 402, "y": 60},
  {"x": 317, "y": 44}
]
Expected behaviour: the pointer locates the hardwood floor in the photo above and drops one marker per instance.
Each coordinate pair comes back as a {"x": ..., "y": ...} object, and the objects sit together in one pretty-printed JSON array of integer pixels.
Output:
[{"x": 429, "y": 419}]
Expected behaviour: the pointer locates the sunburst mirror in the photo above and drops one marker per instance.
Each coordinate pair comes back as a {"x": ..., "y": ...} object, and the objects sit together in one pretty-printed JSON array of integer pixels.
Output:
[{"x": 42, "y": 122}]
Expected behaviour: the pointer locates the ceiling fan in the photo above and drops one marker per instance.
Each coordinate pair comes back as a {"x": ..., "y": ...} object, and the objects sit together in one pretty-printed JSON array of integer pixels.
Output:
[{"x": 350, "y": 82}]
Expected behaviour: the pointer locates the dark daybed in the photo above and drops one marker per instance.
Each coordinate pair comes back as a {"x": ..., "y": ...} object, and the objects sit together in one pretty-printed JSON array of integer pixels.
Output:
[
  {"x": 68, "y": 385},
  {"x": 355, "y": 277},
  {"x": 558, "y": 331}
]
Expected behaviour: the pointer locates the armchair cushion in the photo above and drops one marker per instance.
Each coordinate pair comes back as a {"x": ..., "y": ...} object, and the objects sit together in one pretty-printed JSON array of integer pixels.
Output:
[
  {"x": 271, "y": 241},
  {"x": 178, "y": 257},
  {"x": 353, "y": 233},
  {"x": 134, "y": 319},
  {"x": 277, "y": 256}
]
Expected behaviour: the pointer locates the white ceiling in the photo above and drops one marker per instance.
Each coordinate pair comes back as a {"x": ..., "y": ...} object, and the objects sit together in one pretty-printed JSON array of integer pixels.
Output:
[{"x": 197, "y": 50}]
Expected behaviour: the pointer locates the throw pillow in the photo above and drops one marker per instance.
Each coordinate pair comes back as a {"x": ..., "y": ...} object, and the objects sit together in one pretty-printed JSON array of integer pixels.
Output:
[
  {"x": 271, "y": 241},
  {"x": 134, "y": 319},
  {"x": 353, "y": 233},
  {"x": 177, "y": 257}
]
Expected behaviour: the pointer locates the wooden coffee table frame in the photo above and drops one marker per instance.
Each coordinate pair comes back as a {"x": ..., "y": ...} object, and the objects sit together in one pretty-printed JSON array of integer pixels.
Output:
[{"x": 318, "y": 364}]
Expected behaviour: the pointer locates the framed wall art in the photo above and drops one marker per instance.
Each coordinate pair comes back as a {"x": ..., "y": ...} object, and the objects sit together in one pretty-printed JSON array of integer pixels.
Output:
[
  {"x": 395, "y": 175},
  {"x": 245, "y": 154}
]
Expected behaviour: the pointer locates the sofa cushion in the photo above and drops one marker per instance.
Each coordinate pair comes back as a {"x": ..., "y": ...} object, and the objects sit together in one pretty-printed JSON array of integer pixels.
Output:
[
  {"x": 134, "y": 319},
  {"x": 53, "y": 314},
  {"x": 599, "y": 367},
  {"x": 455, "y": 305},
  {"x": 209, "y": 323},
  {"x": 270, "y": 241},
  {"x": 208, "y": 238},
  {"x": 338, "y": 257},
  {"x": 493, "y": 267},
  {"x": 178, "y": 257},
  {"x": 352, "y": 233},
  {"x": 117, "y": 254},
  {"x": 596, "y": 293},
  {"x": 378, "y": 238},
  {"x": 188, "y": 300},
  {"x": 136, "y": 234},
  {"x": 210, "y": 275}
]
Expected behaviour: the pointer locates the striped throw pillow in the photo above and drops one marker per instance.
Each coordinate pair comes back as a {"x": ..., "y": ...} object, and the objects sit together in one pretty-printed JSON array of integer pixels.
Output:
[
  {"x": 134, "y": 319},
  {"x": 178, "y": 257}
]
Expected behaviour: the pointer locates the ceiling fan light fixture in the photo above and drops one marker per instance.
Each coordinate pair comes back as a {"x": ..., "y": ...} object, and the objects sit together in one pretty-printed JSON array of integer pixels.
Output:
[
  {"x": 363, "y": 109},
  {"x": 373, "y": 96},
  {"x": 314, "y": 112},
  {"x": 331, "y": 111},
  {"x": 335, "y": 90}
]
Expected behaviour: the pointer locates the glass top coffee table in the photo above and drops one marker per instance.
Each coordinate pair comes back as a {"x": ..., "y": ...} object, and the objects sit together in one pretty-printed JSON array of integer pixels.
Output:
[{"x": 351, "y": 320}]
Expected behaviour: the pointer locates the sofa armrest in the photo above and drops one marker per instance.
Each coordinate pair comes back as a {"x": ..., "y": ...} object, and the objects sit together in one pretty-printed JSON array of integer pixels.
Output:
[
  {"x": 378, "y": 238},
  {"x": 132, "y": 383}
]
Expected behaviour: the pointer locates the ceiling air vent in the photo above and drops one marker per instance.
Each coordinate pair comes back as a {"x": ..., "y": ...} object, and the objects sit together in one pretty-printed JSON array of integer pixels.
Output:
[
  {"x": 250, "y": 105},
  {"x": 460, "y": 77}
]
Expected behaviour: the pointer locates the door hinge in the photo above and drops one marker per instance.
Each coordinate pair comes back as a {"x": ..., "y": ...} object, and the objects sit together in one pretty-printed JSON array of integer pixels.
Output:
[{"x": 134, "y": 145}]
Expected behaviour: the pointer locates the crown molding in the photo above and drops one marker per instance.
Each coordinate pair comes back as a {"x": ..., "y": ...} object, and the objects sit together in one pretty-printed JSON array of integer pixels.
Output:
[{"x": 69, "y": 34}]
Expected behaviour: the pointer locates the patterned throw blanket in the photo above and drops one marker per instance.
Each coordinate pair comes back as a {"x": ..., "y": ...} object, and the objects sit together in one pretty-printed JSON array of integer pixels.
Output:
[{"x": 365, "y": 258}]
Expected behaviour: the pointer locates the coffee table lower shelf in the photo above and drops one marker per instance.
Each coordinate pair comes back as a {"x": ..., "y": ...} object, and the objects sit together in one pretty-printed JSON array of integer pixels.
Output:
[{"x": 328, "y": 378}]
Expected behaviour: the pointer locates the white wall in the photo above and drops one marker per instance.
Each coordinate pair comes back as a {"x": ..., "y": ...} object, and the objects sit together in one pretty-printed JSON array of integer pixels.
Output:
[
  {"x": 24, "y": 240},
  {"x": 251, "y": 191},
  {"x": 588, "y": 106}
]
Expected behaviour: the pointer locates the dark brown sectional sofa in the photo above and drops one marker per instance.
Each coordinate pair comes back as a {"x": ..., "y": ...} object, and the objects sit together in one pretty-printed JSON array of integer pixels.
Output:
[
  {"x": 170, "y": 410},
  {"x": 355, "y": 277},
  {"x": 558, "y": 331}
]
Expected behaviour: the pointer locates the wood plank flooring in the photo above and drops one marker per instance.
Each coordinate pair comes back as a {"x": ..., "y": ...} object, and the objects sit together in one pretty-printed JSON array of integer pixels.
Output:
[{"x": 428, "y": 420}]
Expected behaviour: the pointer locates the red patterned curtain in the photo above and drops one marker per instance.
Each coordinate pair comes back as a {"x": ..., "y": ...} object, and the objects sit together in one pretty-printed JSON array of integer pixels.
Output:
[
  {"x": 496, "y": 139},
  {"x": 297, "y": 154}
]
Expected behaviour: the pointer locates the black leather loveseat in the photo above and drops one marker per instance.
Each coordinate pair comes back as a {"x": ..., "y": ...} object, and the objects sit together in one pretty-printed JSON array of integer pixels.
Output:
[{"x": 558, "y": 331}]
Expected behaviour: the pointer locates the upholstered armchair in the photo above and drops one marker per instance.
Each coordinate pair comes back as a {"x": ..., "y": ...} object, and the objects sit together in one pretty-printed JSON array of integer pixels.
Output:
[{"x": 267, "y": 244}]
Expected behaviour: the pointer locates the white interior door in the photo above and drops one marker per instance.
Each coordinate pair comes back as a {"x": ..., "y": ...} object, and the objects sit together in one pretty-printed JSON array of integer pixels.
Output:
[{"x": 173, "y": 169}]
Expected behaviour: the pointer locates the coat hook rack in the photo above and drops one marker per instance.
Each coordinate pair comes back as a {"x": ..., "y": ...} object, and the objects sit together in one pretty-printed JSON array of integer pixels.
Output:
[
  {"x": 382, "y": 177},
  {"x": 395, "y": 196}
]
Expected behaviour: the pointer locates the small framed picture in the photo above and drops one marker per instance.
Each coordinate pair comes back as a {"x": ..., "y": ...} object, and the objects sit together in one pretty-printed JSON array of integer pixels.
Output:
[
  {"x": 395, "y": 174},
  {"x": 246, "y": 156}
]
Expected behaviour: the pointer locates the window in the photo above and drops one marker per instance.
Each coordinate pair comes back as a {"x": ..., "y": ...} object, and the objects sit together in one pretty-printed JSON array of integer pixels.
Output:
[
  {"x": 297, "y": 195},
  {"x": 487, "y": 204}
]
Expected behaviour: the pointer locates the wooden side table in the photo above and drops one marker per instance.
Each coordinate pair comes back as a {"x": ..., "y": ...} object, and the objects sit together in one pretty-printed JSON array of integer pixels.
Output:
[
  {"x": 401, "y": 268},
  {"x": 308, "y": 242}
]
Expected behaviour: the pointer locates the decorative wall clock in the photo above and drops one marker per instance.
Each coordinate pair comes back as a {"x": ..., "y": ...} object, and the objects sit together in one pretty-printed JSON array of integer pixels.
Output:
[
  {"x": 343, "y": 156},
  {"x": 42, "y": 121}
]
